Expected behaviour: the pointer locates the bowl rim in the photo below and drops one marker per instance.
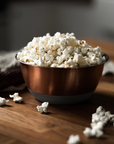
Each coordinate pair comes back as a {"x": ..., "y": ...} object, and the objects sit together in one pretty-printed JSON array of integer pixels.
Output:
[{"x": 103, "y": 54}]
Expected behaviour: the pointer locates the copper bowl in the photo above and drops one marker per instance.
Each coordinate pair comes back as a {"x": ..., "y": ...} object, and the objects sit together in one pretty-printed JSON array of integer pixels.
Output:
[{"x": 61, "y": 85}]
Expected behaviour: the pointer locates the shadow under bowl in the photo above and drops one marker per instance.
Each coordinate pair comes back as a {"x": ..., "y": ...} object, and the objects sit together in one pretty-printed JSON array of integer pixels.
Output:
[{"x": 62, "y": 85}]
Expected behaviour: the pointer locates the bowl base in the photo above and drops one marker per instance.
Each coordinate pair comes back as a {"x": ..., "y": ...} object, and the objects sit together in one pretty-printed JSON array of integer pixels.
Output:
[{"x": 61, "y": 99}]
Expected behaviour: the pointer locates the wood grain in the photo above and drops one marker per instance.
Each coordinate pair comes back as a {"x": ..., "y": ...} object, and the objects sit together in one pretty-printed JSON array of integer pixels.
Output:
[{"x": 23, "y": 124}]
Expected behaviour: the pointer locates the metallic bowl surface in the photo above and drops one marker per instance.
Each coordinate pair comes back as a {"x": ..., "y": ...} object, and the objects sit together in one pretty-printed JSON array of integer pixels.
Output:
[{"x": 62, "y": 81}]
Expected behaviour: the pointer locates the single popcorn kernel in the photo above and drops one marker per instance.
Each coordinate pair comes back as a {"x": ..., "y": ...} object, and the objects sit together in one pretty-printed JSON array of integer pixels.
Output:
[
  {"x": 43, "y": 108},
  {"x": 3, "y": 101},
  {"x": 73, "y": 139},
  {"x": 16, "y": 97},
  {"x": 44, "y": 51},
  {"x": 82, "y": 43}
]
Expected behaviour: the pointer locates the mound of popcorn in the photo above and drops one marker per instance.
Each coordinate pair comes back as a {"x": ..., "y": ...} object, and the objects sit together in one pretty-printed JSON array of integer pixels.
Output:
[{"x": 60, "y": 50}]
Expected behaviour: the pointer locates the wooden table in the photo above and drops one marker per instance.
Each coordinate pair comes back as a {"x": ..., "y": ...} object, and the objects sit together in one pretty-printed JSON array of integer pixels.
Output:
[{"x": 22, "y": 123}]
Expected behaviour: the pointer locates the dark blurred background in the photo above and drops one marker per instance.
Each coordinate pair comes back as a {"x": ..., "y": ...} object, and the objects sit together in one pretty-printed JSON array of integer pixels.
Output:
[{"x": 21, "y": 20}]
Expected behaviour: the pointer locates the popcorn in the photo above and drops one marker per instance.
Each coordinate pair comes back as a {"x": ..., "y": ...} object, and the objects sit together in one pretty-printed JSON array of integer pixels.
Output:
[
  {"x": 104, "y": 119},
  {"x": 99, "y": 119},
  {"x": 87, "y": 132},
  {"x": 100, "y": 109},
  {"x": 16, "y": 97},
  {"x": 54, "y": 65},
  {"x": 84, "y": 51},
  {"x": 60, "y": 48},
  {"x": 111, "y": 118},
  {"x": 95, "y": 117},
  {"x": 73, "y": 139},
  {"x": 98, "y": 133},
  {"x": 82, "y": 43},
  {"x": 3, "y": 101},
  {"x": 43, "y": 107},
  {"x": 99, "y": 125},
  {"x": 92, "y": 132},
  {"x": 107, "y": 113},
  {"x": 80, "y": 60}
]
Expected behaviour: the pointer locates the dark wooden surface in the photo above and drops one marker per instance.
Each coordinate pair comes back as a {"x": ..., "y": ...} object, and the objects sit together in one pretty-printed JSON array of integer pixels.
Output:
[{"x": 22, "y": 123}]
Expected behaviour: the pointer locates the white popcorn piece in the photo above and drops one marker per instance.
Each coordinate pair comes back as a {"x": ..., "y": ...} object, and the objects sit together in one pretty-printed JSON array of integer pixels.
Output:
[
  {"x": 102, "y": 113},
  {"x": 99, "y": 125},
  {"x": 87, "y": 132},
  {"x": 40, "y": 62},
  {"x": 93, "y": 124},
  {"x": 93, "y": 132},
  {"x": 42, "y": 43},
  {"x": 80, "y": 60},
  {"x": 84, "y": 51},
  {"x": 103, "y": 58},
  {"x": 16, "y": 97},
  {"x": 54, "y": 65},
  {"x": 111, "y": 118},
  {"x": 77, "y": 50},
  {"x": 3, "y": 101},
  {"x": 107, "y": 114},
  {"x": 100, "y": 109},
  {"x": 82, "y": 43},
  {"x": 104, "y": 119},
  {"x": 98, "y": 133},
  {"x": 74, "y": 139},
  {"x": 68, "y": 40},
  {"x": 98, "y": 61},
  {"x": 95, "y": 117},
  {"x": 43, "y": 107},
  {"x": 62, "y": 46}
]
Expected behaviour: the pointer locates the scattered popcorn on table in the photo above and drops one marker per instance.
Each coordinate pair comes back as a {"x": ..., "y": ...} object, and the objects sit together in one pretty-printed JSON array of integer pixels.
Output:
[
  {"x": 43, "y": 107},
  {"x": 3, "y": 101},
  {"x": 60, "y": 50},
  {"x": 74, "y": 139},
  {"x": 99, "y": 120},
  {"x": 16, "y": 97}
]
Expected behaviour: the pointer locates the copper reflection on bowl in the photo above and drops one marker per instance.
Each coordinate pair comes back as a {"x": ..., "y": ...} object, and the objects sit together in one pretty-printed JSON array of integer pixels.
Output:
[{"x": 62, "y": 81}]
